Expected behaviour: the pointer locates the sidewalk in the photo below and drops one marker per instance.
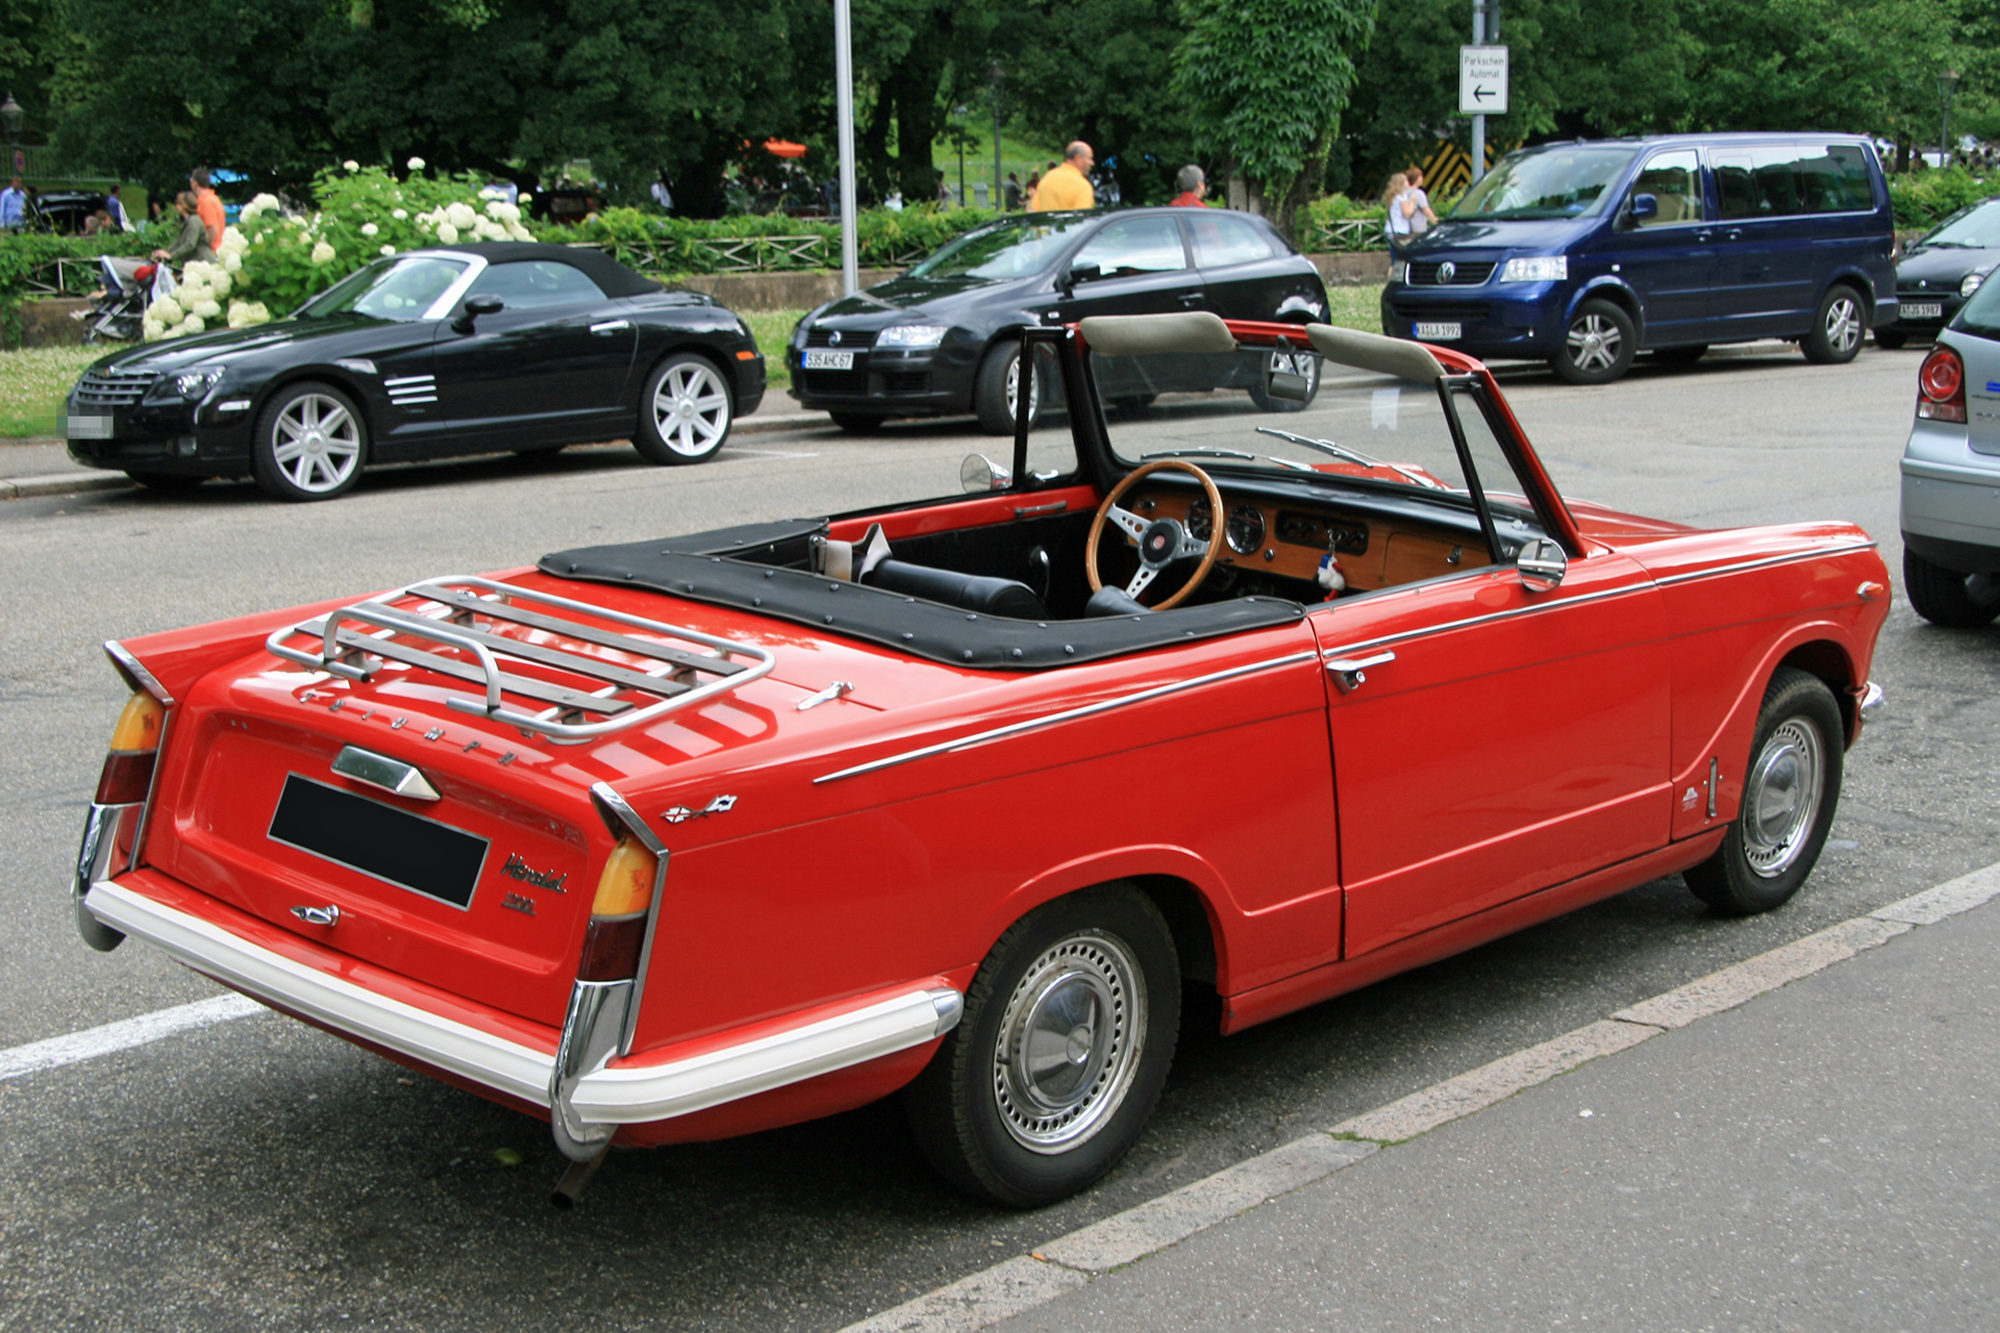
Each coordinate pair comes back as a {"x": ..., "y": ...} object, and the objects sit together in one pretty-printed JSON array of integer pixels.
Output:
[{"x": 1819, "y": 1157}]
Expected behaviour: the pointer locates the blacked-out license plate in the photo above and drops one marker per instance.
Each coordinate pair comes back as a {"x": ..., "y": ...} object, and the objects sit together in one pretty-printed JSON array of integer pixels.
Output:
[{"x": 406, "y": 850}]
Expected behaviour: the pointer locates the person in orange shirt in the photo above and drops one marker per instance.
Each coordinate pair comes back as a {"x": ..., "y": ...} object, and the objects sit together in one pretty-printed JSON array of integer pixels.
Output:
[
  {"x": 208, "y": 204},
  {"x": 1068, "y": 186}
]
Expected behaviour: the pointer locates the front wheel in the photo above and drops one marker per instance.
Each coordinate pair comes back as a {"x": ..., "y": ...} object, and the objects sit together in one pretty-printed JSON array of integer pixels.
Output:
[
  {"x": 1837, "y": 328},
  {"x": 685, "y": 412},
  {"x": 1947, "y": 597},
  {"x": 1789, "y": 794},
  {"x": 999, "y": 385},
  {"x": 311, "y": 441},
  {"x": 1598, "y": 344},
  {"x": 1069, "y": 1028}
]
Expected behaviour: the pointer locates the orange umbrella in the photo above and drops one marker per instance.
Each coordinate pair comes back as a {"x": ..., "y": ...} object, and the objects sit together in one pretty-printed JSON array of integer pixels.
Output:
[{"x": 784, "y": 148}]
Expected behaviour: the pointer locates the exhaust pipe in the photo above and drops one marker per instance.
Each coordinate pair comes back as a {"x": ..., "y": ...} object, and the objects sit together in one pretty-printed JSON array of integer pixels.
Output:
[{"x": 575, "y": 1177}]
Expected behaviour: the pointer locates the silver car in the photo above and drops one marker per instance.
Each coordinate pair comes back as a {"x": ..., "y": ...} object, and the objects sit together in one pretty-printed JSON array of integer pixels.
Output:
[{"x": 1951, "y": 472}]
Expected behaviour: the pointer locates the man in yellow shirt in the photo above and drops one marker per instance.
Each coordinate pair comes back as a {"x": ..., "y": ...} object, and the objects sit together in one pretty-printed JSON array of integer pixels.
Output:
[{"x": 1068, "y": 186}]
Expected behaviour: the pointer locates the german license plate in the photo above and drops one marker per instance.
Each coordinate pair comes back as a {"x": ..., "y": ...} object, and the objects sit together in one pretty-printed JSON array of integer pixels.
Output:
[
  {"x": 819, "y": 358},
  {"x": 1923, "y": 310},
  {"x": 89, "y": 428},
  {"x": 1440, "y": 332}
]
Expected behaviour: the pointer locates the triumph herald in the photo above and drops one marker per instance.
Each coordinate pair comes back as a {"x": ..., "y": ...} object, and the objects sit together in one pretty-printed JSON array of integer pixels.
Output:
[{"x": 1274, "y": 693}]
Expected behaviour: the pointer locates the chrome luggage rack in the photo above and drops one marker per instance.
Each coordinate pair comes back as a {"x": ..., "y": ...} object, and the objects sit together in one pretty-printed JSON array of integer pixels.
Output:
[{"x": 461, "y": 612}]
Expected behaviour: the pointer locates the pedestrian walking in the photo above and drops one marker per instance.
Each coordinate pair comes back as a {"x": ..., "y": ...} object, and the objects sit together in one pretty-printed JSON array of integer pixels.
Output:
[
  {"x": 1193, "y": 186},
  {"x": 208, "y": 207},
  {"x": 116, "y": 208},
  {"x": 1013, "y": 192},
  {"x": 192, "y": 243},
  {"x": 1068, "y": 186},
  {"x": 13, "y": 205},
  {"x": 1396, "y": 226},
  {"x": 1417, "y": 204}
]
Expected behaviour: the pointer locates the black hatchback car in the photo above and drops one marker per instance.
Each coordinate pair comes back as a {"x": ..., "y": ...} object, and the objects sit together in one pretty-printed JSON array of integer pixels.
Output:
[
  {"x": 941, "y": 338},
  {"x": 483, "y": 348},
  {"x": 1940, "y": 269}
]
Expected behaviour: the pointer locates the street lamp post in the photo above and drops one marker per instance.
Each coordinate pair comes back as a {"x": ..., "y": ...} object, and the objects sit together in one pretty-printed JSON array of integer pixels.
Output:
[
  {"x": 10, "y": 117},
  {"x": 958, "y": 114},
  {"x": 1947, "y": 85},
  {"x": 993, "y": 78}
]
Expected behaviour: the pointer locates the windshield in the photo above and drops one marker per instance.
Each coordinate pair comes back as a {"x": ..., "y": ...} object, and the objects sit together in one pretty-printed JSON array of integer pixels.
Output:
[
  {"x": 1566, "y": 182},
  {"x": 1981, "y": 312},
  {"x": 1014, "y": 248},
  {"x": 401, "y": 289},
  {"x": 1973, "y": 228}
]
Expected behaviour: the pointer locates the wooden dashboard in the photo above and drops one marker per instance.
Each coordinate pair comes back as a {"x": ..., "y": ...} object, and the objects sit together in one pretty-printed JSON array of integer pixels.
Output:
[{"x": 1288, "y": 539}]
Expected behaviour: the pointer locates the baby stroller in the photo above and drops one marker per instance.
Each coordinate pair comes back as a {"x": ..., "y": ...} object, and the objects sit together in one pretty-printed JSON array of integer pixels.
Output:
[{"x": 130, "y": 285}]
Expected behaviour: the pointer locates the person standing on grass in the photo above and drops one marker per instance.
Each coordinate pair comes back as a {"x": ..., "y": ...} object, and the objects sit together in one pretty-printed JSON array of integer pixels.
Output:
[
  {"x": 1067, "y": 187},
  {"x": 208, "y": 207}
]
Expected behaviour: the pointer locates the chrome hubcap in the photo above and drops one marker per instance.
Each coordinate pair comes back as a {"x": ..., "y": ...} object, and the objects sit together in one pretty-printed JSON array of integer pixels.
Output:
[
  {"x": 691, "y": 409},
  {"x": 316, "y": 443},
  {"x": 1069, "y": 1045},
  {"x": 1781, "y": 797},
  {"x": 1594, "y": 343},
  {"x": 1843, "y": 324}
]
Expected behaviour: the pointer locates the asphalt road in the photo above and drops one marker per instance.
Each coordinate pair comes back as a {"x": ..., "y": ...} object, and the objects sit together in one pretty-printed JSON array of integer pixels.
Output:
[{"x": 260, "y": 1174}]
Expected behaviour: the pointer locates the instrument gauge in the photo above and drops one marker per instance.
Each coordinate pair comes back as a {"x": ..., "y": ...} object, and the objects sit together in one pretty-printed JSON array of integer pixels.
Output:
[
  {"x": 1200, "y": 521},
  {"x": 1245, "y": 530}
]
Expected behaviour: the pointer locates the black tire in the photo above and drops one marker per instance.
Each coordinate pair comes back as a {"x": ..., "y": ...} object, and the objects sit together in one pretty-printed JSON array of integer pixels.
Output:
[
  {"x": 1303, "y": 363},
  {"x": 1598, "y": 345},
  {"x": 1890, "y": 342},
  {"x": 993, "y": 391},
  {"x": 167, "y": 483},
  {"x": 974, "y": 1111},
  {"x": 1946, "y": 596},
  {"x": 1789, "y": 793},
  {"x": 858, "y": 423},
  {"x": 685, "y": 411},
  {"x": 1685, "y": 355},
  {"x": 311, "y": 443},
  {"x": 1838, "y": 327}
]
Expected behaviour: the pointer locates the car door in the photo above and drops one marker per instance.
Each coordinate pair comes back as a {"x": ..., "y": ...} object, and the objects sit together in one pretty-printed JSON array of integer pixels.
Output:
[
  {"x": 1490, "y": 740},
  {"x": 1142, "y": 268},
  {"x": 1668, "y": 259},
  {"x": 1245, "y": 273},
  {"x": 1765, "y": 279},
  {"x": 549, "y": 367}
]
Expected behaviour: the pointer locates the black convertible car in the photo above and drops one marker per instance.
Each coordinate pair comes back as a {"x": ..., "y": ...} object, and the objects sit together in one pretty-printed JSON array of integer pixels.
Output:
[
  {"x": 945, "y": 337},
  {"x": 460, "y": 350}
]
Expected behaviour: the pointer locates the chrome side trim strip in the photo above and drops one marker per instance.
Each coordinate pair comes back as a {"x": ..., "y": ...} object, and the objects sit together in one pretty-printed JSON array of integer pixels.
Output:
[
  {"x": 1404, "y": 636},
  {"x": 136, "y": 669},
  {"x": 1742, "y": 565},
  {"x": 1068, "y": 715},
  {"x": 340, "y": 1004},
  {"x": 636, "y": 1094}
]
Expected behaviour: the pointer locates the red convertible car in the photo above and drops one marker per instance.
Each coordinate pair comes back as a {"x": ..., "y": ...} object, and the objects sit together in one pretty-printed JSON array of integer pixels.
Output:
[{"x": 701, "y": 835}]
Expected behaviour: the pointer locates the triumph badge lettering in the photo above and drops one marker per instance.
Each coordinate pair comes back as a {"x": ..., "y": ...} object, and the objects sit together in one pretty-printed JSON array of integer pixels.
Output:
[{"x": 516, "y": 868}]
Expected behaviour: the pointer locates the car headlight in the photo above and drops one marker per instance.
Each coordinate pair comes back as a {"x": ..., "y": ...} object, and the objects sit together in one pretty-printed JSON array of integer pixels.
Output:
[
  {"x": 1540, "y": 268},
  {"x": 912, "y": 335},
  {"x": 196, "y": 383},
  {"x": 1971, "y": 283},
  {"x": 1399, "y": 270}
]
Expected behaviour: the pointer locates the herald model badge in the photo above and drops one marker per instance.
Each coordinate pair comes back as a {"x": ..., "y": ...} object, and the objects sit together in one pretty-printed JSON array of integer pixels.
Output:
[{"x": 516, "y": 868}]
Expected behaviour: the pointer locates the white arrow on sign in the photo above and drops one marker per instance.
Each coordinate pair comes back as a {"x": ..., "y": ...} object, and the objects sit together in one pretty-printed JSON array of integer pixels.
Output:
[{"x": 1482, "y": 80}]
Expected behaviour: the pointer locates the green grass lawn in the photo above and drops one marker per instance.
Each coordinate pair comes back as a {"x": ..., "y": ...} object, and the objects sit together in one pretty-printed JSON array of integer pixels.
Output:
[
  {"x": 33, "y": 383},
  {"x": 773, "y": 329},
  {"x": 1355, "y": 308}
]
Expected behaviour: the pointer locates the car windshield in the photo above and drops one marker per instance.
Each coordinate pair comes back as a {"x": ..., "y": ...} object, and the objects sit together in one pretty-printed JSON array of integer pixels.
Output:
[
  {"x": 1981, "y": 313},
  {"x": 1013, "y": 248},
  {"x": 1973, "y": 228},
  {"x": 1566, "y": 182},
  {"x": 401, "y": 289}
]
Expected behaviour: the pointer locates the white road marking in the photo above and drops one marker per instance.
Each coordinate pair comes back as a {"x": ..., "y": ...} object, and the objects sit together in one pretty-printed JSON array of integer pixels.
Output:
[
  {"x": 56, "y": 1052},
  {"x": 768, "y": 453}
]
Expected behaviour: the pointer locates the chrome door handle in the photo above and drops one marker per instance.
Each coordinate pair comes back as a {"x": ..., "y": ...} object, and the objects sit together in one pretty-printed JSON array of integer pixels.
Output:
[
  {"x": 318, "y": 916},
  {"x": 610, "y": 326},
  {"x": 1352, "y": 672}
]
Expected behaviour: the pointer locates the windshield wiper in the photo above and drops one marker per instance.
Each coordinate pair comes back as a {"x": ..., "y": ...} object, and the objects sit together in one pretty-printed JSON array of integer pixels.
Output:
[
  {"x": 1293, "y": 465},
  {"x": 1197, "y": 453},
  {"x": 1354, "y": 456}
]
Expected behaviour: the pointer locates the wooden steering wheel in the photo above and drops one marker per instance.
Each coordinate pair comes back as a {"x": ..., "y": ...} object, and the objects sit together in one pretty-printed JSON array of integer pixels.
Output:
[{"x": 1161, "y": 541}]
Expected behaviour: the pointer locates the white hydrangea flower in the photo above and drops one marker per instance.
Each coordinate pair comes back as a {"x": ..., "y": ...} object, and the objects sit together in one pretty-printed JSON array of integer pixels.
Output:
[
  {"x": 232, "y": 261},
  {"x": 322, "y": 253},
  {"x": 517, "y": 232},
  {"x": 461, "y": 216},
  {"x": 400, "y": 213},
  {"x": 369, "y": 229},
  {"x": 351, "y": 165},
  {"x": 526, "y": 198},
  {"x": 167, "y": 310},
  {"x": 193, "y": 324},
  {"x": 208, "y": 309},
  {"x": 220, "y": 282},
  {"x": 447, "y": 233},
  {"x": 416, "y": 164},
  {"x": 388, "y": 250}
]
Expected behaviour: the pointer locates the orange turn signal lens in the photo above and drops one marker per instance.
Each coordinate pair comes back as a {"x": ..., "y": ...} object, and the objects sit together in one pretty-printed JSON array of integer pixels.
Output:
[
  {"x": 626, "y": 886},
  {"x": 139, "y": 725}
]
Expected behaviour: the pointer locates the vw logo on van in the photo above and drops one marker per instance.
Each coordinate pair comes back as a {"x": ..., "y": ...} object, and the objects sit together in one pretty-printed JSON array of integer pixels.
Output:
[{"x": 1447, "y": 271}]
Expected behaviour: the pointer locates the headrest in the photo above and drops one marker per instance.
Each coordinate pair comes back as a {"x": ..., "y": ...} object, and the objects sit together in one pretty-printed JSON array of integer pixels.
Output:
[
  {"x": 1144, "y": 335},
  {"x": 1372, "y": 351}
]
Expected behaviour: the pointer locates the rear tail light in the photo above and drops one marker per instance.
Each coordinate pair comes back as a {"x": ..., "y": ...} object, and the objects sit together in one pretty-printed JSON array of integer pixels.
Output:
[
  {"x": 617, "y": 932},
  {"x": 1941, "y": 386},
  {"x": 135, "y": 743}
]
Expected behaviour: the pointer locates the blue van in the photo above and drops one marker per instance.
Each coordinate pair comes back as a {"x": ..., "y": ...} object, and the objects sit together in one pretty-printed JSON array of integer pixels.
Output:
[{"x": 1587, "y": 253}]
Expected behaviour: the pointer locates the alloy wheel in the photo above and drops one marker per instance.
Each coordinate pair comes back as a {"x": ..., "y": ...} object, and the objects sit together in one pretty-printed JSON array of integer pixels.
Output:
[
  {"x": 691, "y": 409},
  {"x": 316, "y": 443},
  {"x": 1594, "y": 343}
]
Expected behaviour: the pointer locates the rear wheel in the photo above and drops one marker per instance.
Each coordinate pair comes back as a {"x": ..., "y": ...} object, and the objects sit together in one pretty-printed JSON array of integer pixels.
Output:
[
  {"x": 858, "y": 423},
  {"x": 1888, "y": 341},
  {"x": 310, "y": 444},
  {"x": 685, "y": 412},
  {"x": 1837, "y": 328},
  {"x": 1947, "y": 597},
  {"x": 999, "y": 384},
  {"x": 1598, "y": 344},
  {"x": 165, "y": 482},
  {"x": 1303, "y": 364},
  {"x": 1069, "y": 1028},
  {"x": 1789, "y": 794}
]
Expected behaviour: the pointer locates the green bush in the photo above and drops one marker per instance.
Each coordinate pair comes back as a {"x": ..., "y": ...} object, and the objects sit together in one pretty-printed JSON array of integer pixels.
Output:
[
  {"x": 1924, "y": 199},
  {"x": 656, "y": 244},
  {"x": 22, "y": 255}
]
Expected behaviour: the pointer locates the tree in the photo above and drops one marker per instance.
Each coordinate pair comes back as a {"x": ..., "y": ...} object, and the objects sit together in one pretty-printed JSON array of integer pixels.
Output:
[{"x": 1265, "y": 85}]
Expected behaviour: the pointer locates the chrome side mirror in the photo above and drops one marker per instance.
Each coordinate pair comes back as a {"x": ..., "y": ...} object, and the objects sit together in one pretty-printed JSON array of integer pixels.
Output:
[
  {"x": 1541, "y": 564},
  {"x": 979, "y": 474}
]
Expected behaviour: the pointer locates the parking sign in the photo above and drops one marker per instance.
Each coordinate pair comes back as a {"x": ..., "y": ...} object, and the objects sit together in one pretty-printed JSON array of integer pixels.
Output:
[{"x": 1482, "y": 80}]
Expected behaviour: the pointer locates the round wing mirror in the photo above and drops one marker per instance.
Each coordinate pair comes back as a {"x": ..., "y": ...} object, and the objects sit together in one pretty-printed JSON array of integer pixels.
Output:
[
  {"x": 1541, "y": 564},
  {"x": 979, "y": 474}
]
